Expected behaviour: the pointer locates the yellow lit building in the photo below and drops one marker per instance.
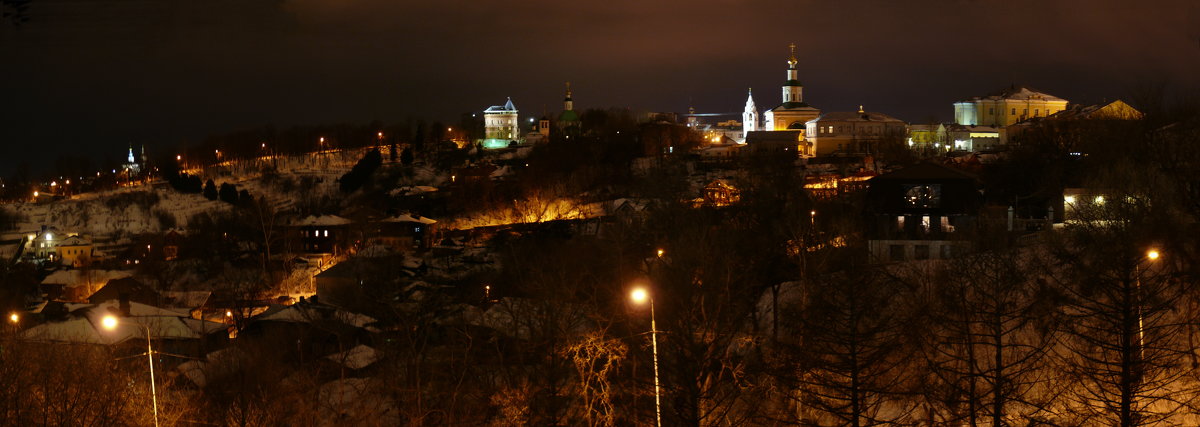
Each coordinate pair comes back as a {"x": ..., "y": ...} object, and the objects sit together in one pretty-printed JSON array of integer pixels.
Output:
[
  {"x": 75, "y": 251},
  {"x": 1007, "y": 107},
  {"x": 853, "y": 132}
]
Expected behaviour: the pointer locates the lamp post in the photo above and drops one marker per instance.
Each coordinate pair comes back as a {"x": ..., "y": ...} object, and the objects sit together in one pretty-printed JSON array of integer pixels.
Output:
[
  {"x": 640, "y": 295},
  {"x": 1151, "y": 255},
  {"x": 110, "y": 322}
]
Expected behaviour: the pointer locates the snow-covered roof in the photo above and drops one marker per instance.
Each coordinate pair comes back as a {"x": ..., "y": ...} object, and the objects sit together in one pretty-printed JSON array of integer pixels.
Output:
[
  {"x": 85, "y": 329},
  {"x": 216, "y": 364},
  {"x": 74, "y": 241},
  {"x": 854, "y": 116},
  {"x": 410, "y": 218},
  {"x": 303, "y": 314},
  {"x": 137, "y": 309},
  {"x": 1020, "y": 93},
  {"x": 322, "y": 221},
  {"x": 508, "y": 107},
  {"x": 358, "y": 357},
  {"x": 412, "y": 190},
  {"x": 78, "y": 330},
  {"x": 73, "y": 278},
  {"x": 188, "y": 299}
]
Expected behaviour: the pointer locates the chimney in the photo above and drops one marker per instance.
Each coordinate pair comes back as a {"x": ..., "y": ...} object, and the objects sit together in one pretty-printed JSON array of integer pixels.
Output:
[{"x": 123, "y": 301}]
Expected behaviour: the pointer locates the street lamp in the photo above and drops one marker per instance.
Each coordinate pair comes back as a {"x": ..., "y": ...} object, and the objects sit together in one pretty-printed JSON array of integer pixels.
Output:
[
  {"x": 640, "y": 295},
  {"x": 110, "y": 322},
  {"x": 14, "y": 318},
  {"x": 1151, "y": 255}
]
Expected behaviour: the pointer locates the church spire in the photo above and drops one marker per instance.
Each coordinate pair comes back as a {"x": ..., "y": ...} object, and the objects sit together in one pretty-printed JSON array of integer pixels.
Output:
[
  {"x": 792, "y": 90},
  {"x": 568, "y": 103},
  {"x": 749, "y": 115}
]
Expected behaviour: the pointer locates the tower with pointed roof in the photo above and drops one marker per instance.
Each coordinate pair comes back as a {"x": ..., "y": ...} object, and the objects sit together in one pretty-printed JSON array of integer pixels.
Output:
[{"x": 749, "y": 115}]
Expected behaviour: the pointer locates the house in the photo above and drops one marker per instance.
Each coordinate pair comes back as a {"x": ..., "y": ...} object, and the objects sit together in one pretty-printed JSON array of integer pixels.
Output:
[
  {"x": 325, "y": 234},
  {"x": 361, "y": 277},
  {"x": 719, "y": 194},
  {"x": 75, "y": 251},
  {"x": 78, "y": 284},
  {"x": 406, "y": 233},
  {"x": 974, "y": 138},
  {"x": 780, "y": 144},
  {"x": 924, "y": 211},
  {"x": 172, "y": 332},
  {"x": 126, "y": 289}
]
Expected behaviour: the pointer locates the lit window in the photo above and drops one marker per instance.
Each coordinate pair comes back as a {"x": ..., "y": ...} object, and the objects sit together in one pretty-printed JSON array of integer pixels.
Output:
[
  {"x": 946, "y": 227},
  {"x": 925, "y": 223},
  {"x": 326, "y": 233},
  {"x": 900, "y": 222}
]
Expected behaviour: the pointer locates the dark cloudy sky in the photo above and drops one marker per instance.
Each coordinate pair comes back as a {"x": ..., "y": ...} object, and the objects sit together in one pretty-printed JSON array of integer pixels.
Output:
[{"x": 92, "y": 76}]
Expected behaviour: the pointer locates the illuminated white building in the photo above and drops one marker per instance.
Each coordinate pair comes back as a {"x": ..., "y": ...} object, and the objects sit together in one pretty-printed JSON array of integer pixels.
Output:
[
  {"x": 500, "y": 124},
  {"x": 749, "y": 116}
]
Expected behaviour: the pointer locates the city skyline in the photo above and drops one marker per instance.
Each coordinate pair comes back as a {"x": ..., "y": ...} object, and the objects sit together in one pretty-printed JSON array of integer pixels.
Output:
[{"x": 93, "y": 78}]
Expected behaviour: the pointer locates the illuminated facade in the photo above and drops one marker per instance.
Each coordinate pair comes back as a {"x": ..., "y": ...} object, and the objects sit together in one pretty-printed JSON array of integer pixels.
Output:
[
  {"x": 500, "y": 125},
  {"x": 853, "y": 132},
  {"x": 749, "y": 116},
  {"x": 793, "y": 113},
  {"x": 1007, "y": 107}
]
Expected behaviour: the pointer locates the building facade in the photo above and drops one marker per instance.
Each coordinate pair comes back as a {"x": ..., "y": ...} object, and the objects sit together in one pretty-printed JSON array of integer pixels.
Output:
[
  {"x": 1007, "y": 107},
  {"x": 853, "y": 132},
  {"x": 500, "y": 125}
]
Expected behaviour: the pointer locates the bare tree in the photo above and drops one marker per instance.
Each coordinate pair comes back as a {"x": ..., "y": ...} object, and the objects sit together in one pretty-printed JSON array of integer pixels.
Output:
[
  {"x": 991, "y": 328},
  {"x": 852, "y": 366}
]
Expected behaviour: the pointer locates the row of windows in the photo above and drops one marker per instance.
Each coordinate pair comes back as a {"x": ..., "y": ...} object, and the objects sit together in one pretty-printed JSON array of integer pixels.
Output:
[
  {"x": 1024, "y": 112},
  {"x": 314, "y": 233},
  {"x": 872, "y": 130},
  {"x": 926, "y": 224}
]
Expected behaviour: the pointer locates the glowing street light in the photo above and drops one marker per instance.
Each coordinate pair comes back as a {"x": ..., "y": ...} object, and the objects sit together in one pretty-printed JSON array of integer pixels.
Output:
[
  {"x": 660, "y": 253},
  {"x": 14, "y": 318},
  {"x": 1151, "y": 255},
  {"x": 110, "y": 323},
  {"x": 641, "y": 295}
]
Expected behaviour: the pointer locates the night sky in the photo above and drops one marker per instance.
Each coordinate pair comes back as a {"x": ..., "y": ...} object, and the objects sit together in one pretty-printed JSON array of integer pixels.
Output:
[{"x": 92, "y": 76}]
